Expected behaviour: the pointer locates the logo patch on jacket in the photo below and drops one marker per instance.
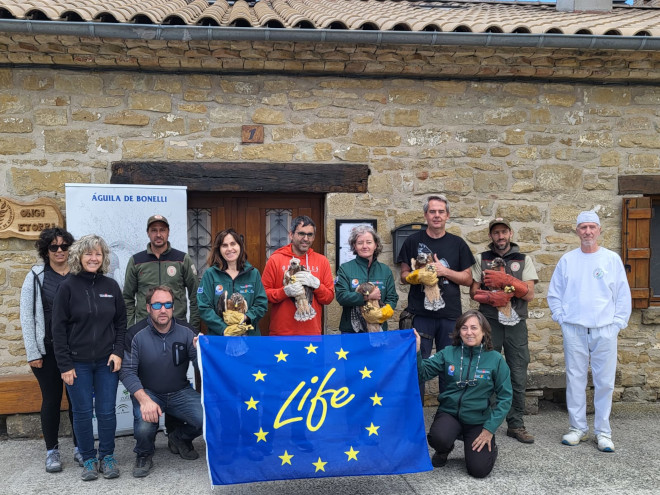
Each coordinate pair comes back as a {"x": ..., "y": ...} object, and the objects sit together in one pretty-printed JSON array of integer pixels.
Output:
[
  {"x": 171, "y": 271},
  {"x": 451, "y": 369},
  {"x": 219, "y": 289},
  {"x": 482, "y": 374},
  {"x": 200, "y": 290},
  {"x": 245, "y": 289},
  {"x": 106, "y": 295},
  {"x": 354, "y": 283}
]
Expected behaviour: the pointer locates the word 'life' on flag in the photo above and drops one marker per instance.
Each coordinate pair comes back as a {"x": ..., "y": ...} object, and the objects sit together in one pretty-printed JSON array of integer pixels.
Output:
[{"x": 311, "y": 406}]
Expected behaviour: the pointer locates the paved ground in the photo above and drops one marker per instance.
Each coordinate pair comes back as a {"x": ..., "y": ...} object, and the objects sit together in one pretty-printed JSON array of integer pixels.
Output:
[{"x": 545, "y": 467}]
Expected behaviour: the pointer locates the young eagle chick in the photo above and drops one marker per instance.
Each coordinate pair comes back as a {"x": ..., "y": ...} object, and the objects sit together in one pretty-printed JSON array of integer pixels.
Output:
[
  {"x": 433, "y": 300},
  {"x": 303, "y": 302},
  {"x": 506, "y": 314},
  {"x": 232, "y": 310},
  {"x": 365, "y": 289}
]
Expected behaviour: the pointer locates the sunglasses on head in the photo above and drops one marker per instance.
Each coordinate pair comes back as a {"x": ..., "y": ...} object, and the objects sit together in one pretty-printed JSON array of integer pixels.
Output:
[
  {"x": 158, "y": 305},
  {"x": 54, "y": 247}
]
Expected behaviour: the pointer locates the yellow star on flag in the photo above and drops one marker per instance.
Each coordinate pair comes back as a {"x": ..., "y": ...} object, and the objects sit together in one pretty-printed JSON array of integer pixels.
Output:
[
  {"x": 376, "y": 400},
  {"x": 373, "y": 430},
  {"x": 352, "y": 454},
  {"x": 261, "y": 434},
  {"x": 252, "y": 404},
  {"x": 342, "y": 354},
  {"x": 281, "y": 356},
  {"x": 319, "y": 465},
  {"x": 366, "y": 373},
  {"x": 311, "y": 349},
  {"x": 259, "y": 376},
  {"x": 286, "y": 458}
]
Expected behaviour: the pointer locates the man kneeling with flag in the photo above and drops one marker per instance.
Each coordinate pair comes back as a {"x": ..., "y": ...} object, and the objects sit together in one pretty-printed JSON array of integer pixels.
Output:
[{"x": 154, "y": 371}]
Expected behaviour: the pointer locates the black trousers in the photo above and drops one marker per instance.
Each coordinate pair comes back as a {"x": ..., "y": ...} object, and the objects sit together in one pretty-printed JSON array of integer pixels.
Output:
[
  {"x": 51, "y": 384},
  {"x": 443, "y": 433}
]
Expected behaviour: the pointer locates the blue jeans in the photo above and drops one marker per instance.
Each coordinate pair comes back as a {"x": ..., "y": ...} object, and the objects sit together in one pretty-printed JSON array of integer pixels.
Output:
[
  {"x": 432, "y": 330},
  {"x": 94, "y": 389},
  {"x": 185, "y": 404}
]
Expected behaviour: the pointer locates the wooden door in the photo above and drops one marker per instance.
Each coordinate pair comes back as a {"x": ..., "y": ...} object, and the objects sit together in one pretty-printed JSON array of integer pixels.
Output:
[{"x": 262, "y": 219}]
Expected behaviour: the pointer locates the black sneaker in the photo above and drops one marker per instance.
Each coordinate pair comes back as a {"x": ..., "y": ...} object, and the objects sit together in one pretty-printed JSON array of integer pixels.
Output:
[
  {"x": 439, "y": 460},
  {"x": 143, "y": 465},
  {"x": 179, "y": 446}
]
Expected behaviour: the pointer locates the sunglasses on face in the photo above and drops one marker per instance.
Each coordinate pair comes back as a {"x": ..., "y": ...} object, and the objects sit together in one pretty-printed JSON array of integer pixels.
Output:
[
  {"x": 54, "y": 247},
  {"x": 158, "y": 305}
]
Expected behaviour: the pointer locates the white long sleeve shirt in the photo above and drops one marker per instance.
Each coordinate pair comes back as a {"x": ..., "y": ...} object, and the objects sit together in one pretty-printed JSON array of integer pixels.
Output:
[{"x": 590, "y": 289}]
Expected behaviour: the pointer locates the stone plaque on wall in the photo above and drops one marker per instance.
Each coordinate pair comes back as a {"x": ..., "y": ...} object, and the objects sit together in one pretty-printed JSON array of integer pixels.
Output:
[{"x": 26, "y": 220}]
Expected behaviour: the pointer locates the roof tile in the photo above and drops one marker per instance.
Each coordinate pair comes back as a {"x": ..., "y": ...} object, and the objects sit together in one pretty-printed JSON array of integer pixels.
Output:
[{"x": 450, "y": 15}]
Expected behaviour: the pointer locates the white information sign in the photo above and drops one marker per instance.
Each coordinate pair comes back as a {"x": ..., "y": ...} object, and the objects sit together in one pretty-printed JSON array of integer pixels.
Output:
[{"x": 119, "y": 214}]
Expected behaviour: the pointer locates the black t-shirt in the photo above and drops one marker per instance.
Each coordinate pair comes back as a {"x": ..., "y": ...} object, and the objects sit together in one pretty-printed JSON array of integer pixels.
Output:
[{"x": 454, "y": 253}]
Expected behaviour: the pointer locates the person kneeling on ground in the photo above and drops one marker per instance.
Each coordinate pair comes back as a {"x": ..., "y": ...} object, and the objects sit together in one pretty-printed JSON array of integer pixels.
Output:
[
  {"x": 472, "y": 372},
  {"x": 158, "y": 351}
]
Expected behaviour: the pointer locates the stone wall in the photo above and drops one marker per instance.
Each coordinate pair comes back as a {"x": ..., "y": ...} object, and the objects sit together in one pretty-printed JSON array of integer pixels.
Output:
[
  {"x": 536, "y": 152},
  {"x": 328, "y": 58}
]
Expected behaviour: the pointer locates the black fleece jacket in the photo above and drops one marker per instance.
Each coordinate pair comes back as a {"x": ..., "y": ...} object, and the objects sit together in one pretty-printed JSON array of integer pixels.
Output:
[{"x": 89, "y": 320}]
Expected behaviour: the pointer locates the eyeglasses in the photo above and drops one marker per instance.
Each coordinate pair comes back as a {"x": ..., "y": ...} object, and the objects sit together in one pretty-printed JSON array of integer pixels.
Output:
[
  {"x": 309, "y": 235},
  {"x": 158, "y": 305},
  {"x": 468, "y": 383},
  {"x": 54, "y": 247}
]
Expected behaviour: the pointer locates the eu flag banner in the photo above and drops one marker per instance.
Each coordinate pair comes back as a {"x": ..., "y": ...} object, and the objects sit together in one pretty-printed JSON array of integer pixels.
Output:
[{"x": 311, "y": 406}]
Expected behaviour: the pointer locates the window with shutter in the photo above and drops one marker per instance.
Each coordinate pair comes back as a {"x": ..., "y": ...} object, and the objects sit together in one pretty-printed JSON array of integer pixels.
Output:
[{"x": 636, "y": 248}]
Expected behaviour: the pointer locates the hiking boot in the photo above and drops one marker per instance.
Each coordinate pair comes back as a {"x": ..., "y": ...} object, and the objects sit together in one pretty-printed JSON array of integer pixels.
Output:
[
  {"x": 143, "y": 465},
  {"x": 53, "y": 462},
  {"x": 439, "y": 460},
  {"x": 179, "y": 446},
  {"x": 520, "y": 434},
  {"x": 77, "y": 457},
  {"x": 574, "y": 437},
  {"x": 604, "y": 442},
  {"x": 90, "y": 470},
  {"x": 109, "y": 467}
]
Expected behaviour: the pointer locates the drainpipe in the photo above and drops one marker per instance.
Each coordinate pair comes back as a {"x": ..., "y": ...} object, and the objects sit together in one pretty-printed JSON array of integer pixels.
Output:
[{"x": 341, "y": 36}]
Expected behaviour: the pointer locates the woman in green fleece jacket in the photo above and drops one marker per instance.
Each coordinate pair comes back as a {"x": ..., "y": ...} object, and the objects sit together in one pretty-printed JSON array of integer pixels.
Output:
[
  {"x": 230, "y": 272},
  {"x": 472, "y": 372},
  {"x": 366, "y": 245}
]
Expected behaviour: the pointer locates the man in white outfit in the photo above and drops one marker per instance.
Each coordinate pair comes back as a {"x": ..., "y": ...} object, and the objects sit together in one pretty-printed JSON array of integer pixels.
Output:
[{"x": 590, "y": 298}]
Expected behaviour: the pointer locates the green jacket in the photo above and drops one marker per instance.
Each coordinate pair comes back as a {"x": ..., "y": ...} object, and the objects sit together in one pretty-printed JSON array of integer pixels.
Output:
[
  {"x": 353, "y": 273},
  {"x": 471, "y": 404},
  {"x": 173, "y": 268},
  {"x": 216, "y": 283}
]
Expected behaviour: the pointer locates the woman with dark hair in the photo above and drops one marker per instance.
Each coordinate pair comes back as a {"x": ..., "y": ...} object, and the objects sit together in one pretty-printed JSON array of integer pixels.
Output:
[
  {"x": 472, "y": 373},
  {"x": 229, "y": 272},
  {"x": 36, "y": 309},
  {"x": 366, "y": 245},
  {"x": 89, "y": 325}
]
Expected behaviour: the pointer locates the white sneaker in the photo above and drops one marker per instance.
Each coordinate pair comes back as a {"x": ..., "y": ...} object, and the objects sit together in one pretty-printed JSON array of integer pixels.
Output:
[
  {"x": 574, "y": 437},
  {"x": 604, "y": 442}
]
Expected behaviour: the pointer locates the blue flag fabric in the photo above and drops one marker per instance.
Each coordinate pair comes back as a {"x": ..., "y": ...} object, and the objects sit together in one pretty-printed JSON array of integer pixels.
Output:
[{"x": 311, "y": 406}]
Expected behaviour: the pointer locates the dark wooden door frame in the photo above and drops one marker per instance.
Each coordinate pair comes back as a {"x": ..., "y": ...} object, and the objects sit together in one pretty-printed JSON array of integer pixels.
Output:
[{"x": 246, "y": 176}]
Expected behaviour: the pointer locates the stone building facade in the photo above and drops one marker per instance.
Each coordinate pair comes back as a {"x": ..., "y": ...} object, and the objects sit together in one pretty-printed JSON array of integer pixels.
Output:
[{"x": 533, "y": 135}]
